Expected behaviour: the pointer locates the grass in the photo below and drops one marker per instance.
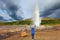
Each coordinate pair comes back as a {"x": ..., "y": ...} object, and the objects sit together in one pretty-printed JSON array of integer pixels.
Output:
[
  {"x": 29, "y": 21},
  {"x": 50, "y": 22}
]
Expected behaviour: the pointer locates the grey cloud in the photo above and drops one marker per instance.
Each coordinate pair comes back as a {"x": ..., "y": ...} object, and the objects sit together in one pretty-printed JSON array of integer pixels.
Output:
[
  {"x": 11, "y": 8},
  {"x": 48, "y": 8}
]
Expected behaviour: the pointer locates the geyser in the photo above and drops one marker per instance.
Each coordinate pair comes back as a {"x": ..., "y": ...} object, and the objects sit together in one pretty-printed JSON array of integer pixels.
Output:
[{"x": 36, "y": 16}]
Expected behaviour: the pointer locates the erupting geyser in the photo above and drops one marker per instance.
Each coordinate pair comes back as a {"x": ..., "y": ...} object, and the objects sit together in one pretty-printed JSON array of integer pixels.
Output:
[{"x": 36, "y": 16}]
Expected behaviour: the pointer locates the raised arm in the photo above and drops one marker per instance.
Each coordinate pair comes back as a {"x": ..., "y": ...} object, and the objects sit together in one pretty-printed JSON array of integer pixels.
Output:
[{"x": 35, "y": 26}]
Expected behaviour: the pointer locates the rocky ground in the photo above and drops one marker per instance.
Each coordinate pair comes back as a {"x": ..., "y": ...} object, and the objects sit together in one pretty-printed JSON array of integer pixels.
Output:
[
  {"x": 45, "y": 34},
  {"x": 42, "y": 35}
]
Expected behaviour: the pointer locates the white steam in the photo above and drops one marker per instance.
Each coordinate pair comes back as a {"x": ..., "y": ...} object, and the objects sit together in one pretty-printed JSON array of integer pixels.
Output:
[{"x": 36, "y": 17}]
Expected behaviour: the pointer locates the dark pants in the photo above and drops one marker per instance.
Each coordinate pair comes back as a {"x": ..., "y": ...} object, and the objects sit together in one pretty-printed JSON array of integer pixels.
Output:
[{"x": 32, "y": 35}]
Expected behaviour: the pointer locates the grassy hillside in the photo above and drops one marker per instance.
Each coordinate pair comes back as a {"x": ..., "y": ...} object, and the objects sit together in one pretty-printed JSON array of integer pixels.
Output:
[
  {"x": 45, "y": 21},
  {"x": 50, "y": 21},
  {"x": 19, "y": 22}
]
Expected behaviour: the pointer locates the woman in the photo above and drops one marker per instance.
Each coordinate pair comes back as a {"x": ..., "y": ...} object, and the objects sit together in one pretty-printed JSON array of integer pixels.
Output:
[{"x": 32, "y": 31}]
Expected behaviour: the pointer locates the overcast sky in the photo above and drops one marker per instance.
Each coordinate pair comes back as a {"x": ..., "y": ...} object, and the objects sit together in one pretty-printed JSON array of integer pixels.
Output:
[
  {"x": 48, "y": 8},
  {"x": 12, "y": 9}
]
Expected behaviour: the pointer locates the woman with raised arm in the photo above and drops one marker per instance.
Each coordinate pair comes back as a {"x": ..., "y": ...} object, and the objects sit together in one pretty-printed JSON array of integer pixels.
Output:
[{"x": 33, "y": 31}]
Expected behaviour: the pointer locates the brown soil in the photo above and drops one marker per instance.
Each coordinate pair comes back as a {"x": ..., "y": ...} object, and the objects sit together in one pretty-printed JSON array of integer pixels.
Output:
[{"x": 41, "y": 35}]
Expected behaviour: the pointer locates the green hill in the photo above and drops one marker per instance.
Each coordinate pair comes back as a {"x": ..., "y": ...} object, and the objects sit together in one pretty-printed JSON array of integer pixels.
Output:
[{"x": 45, "y": 21}]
